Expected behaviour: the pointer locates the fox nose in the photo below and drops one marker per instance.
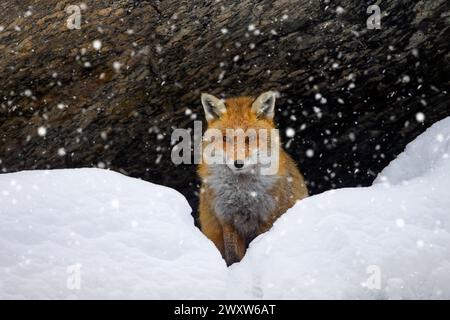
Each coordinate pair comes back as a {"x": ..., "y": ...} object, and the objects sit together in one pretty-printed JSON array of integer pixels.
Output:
[{"x": 238, "y": 164}]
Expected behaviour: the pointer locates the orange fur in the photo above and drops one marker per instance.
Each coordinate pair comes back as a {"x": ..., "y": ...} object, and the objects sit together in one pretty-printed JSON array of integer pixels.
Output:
[{"x": 288, "y": 188}]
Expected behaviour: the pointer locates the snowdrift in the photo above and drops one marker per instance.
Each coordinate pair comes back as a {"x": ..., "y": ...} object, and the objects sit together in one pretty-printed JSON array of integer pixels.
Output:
[{"x": 131, "y": 239}]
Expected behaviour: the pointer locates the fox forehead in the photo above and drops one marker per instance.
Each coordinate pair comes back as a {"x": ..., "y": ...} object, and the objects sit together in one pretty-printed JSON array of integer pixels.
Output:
[{"x": 239, "y": 114}]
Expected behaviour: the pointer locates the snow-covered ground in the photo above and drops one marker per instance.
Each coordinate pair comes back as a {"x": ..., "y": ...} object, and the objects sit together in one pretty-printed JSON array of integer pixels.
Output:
[
  {"x": 90, "y": 233},
  {"x": 133, "y": 239}
]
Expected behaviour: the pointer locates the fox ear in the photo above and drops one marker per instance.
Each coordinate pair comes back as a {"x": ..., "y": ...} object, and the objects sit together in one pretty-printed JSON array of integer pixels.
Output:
[
  {"x": 214, "y": 107},
  {"x": 264, "y": 105}
]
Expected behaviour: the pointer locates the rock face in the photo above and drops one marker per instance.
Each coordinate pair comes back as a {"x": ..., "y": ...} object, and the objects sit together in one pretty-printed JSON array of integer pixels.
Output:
[{"x": 354, "y": 96}]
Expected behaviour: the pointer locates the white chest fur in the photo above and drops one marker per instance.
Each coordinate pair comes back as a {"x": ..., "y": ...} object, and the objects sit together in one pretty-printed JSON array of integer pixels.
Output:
[{"x": 242, "y": 199}]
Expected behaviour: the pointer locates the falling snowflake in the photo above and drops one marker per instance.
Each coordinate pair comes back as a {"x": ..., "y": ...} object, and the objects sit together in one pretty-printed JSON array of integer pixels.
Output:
[
  {"x": 61, "y": 152},
  {"x": 420, "y": 243},
  {"x": 117, "y": 65},
  {"x": 420, "y": 117},
  {"x": 290, "y": 132},
  {"x": 440, "y": 137},
  {"x": 42, "y": 131},
  {"x": 115, "y": 204},
  {"x": 340, "y": 10},
  {"x": 97, "y": 44},
  {"x": 310, "y": 153},
  {"x": 400, "y": 223}
]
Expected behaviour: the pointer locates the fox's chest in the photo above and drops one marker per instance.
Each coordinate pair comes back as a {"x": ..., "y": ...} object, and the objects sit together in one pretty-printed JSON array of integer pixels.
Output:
[{"x": 246, "y": 202}]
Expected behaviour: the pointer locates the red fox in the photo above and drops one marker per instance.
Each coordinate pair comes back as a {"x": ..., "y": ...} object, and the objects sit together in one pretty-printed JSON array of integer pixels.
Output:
[{"x": 237, "y": 201}]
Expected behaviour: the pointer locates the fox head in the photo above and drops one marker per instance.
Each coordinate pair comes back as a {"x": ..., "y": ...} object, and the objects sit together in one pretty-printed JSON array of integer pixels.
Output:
[{"x": 241, "y": 133}]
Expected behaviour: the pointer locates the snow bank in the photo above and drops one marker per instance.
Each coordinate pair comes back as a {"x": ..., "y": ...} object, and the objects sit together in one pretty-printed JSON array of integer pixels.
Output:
[
  {"x": 334, "y": 245},
  {"x": 134, "y": 239}
]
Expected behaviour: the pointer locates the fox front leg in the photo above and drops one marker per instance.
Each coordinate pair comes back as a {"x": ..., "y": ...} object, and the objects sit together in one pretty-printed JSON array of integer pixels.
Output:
[{"x": 234, "y": 245}]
